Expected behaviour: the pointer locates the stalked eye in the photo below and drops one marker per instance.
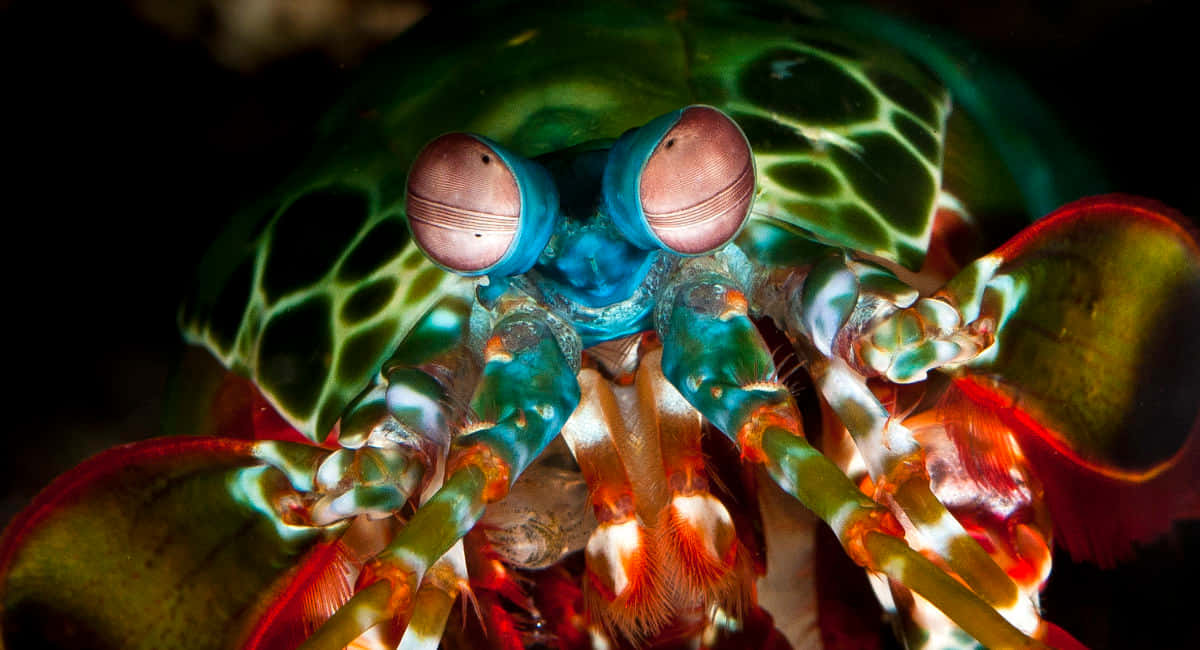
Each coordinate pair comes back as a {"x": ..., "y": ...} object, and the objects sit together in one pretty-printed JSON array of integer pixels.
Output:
[
  {"x": 697, "y": 185},
  {"x": 683, "y": 182},
  {"x": 464, "y": 203}
]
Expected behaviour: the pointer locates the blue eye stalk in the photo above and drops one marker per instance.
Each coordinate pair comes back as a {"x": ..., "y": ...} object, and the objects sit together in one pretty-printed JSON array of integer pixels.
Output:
[
  {"x": 623, "y": 177},
  {"x": 539, "y": 213},
  {"x": 587, "y": 223}
]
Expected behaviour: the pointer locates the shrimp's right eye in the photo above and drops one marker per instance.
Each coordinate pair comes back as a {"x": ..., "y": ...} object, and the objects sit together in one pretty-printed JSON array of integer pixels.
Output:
[{"x": 464, "y": 204}]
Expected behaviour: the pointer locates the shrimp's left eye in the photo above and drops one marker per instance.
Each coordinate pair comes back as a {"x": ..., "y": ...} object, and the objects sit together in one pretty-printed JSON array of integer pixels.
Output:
[{"x": 684, "y": 182}]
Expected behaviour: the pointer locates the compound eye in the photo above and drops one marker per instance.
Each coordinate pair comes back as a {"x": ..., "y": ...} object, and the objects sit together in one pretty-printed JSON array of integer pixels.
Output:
[
  {"x": 464, "y": 204},
  {"x": 697, "y": 185}
]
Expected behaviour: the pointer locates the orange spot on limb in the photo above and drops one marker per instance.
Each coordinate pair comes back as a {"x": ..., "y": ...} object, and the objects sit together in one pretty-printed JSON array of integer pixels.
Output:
[
  {"x": 494, "y": 350},
  {"x": 911, "y": 466},
  {"x": 627, "y": 597},
  {"x": 853, "y": 538},
  {"x": 613, "y": 503},
  {"x": 692, "y": 566},
  {"x": 442, "y": 577},
  {"x": 780, "y": 415},
  {"x": 686, "y": 472},
  {"x": 735, "y": 304},
  {"x": 495, "y": 470},
  {"x": 1018, "y": 548},
  {"x": 403, "y": 583}
]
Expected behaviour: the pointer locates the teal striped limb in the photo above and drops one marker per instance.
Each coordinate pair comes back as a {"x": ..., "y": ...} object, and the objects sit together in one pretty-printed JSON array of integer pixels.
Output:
[
  {"x": 715, "y": 357},
  {"x": 528, "y": 389}
]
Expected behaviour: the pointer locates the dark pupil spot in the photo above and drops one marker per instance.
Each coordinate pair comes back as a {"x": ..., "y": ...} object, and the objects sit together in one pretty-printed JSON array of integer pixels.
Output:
[
  {"x": 478, "y": 235},
  {"x": 670, "y": 143},
  {"x": 485, "y": 158}
]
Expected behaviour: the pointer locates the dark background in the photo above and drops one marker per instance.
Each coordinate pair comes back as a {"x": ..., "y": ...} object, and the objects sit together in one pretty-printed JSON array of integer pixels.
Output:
[{"x": 125, "y": 149}]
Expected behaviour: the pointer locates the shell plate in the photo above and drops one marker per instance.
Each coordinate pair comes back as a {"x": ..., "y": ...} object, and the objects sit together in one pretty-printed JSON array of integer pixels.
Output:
[{"x": 310, "y": 290}]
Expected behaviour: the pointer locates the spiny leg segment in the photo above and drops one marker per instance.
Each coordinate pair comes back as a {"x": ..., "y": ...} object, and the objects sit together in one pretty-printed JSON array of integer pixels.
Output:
[
  {"x": 394, "y": 436},
  {"x": 715, "y": 356}
]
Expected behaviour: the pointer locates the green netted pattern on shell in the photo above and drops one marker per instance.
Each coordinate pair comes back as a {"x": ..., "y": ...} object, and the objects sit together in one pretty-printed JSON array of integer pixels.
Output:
[
  {"x": 330, "y": 288},
  {"x": 847, "y": 137},
  {"x": 308, "y": 295},
  {"x": 311, "y": 290}
]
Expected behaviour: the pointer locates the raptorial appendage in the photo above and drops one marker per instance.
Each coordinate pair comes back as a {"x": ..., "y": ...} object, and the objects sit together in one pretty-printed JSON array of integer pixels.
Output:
[
  {"x": 714, "y": 354},
  {"x": 865, "y": 316},
  {"x": 526, "y": 391},
  {"x": 852, "y": 322}
]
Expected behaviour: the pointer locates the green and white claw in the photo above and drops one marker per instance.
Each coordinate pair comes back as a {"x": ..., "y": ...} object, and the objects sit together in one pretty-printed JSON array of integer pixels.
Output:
[{"x": 907, "y": 343}]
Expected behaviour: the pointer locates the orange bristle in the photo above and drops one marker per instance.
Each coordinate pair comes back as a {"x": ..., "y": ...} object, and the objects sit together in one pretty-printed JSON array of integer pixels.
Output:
[
  {"x": 1099, "y": 512},
  {"x": 623, "y": 589},
  {"x": 985, "y": 445},
  {"x": 305, "y": 597},
  {"x": 700, "y": 548}
]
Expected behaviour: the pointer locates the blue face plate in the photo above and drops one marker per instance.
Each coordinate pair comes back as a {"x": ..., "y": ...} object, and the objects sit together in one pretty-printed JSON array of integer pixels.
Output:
[{"x": 587, "y": 259}]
